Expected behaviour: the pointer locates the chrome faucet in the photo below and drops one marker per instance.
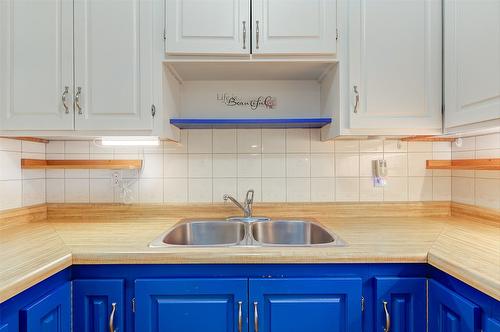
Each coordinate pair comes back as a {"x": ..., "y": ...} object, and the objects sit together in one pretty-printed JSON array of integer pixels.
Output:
[{"x": 246, "y": 207}]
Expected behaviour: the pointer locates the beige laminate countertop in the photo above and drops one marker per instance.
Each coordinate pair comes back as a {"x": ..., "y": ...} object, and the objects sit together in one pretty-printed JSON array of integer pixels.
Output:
[{"x": 31, "y": 251}]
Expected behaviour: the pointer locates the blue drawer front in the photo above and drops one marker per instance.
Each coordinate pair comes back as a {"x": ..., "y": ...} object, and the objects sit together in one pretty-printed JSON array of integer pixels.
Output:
[{"x": 305, "y": 304}]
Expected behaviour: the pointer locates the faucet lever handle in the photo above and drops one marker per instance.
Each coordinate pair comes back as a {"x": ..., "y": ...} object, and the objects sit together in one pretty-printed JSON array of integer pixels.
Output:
[{"x": 249, "y": 197}]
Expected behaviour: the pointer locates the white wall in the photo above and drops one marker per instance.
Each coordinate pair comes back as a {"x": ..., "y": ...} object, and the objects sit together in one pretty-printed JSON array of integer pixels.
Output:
[
  {"x": 281, "y": 165},
  {"x": 20, "y": 187},
  {"x": 481, "y": 188}
]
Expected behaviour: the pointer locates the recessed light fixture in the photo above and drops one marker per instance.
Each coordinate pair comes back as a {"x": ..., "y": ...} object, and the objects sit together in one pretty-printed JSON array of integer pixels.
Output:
[{"x": 130, "y": 141}]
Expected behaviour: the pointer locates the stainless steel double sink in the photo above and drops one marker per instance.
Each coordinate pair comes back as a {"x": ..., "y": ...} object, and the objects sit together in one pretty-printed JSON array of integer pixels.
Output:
[{"x": 223, "y": 233}]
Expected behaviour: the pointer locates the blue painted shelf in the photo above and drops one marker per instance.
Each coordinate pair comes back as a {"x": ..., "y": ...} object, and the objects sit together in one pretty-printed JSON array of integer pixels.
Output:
[{"x": 250, "y": 123}]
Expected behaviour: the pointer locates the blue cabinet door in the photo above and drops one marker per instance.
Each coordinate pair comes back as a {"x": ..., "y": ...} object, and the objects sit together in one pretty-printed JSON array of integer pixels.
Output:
[
  {"x": 4, "y": 328},
  {"x": 51, "y": 313},
  {"x": 491, "y": 325},
  {"x": 191, "y": 305},
  {"x": 305, "y": 304},
  {"x": 93, "y": 307},
  {"x": 400, "y": 303},
  {"x": 450, "y": 312}
]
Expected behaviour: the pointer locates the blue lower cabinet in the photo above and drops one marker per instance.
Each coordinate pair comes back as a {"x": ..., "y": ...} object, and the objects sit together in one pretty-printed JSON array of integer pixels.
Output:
[
  {"x": 51, "y": 313},
  {"x": 450, "y": 312},
  {"x": 97, "y": 304},
  {"x": 400, "y": 304},
  {"x": 305, "y": 304},
  {"x": 491, "y": 325},
  {"x": 4, "y": 328},
  {"x": 191, "y": 305}
]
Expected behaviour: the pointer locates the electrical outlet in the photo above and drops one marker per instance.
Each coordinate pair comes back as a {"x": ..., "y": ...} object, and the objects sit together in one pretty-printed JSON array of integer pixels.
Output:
[{"x": 117, "y": 178}]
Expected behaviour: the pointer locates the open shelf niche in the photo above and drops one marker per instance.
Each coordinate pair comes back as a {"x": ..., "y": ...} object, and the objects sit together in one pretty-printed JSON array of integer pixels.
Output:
[
  {"x": 491, "y": 164},
  {"x": 80, "y": 164},
  {"x": 250, "y": 93}
]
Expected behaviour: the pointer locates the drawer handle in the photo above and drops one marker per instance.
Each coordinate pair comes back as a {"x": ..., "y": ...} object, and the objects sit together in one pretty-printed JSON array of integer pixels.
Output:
[
  {"x": 257, "y": 34},
  {"x": 240, "y": 316},
  {"x": 244, "y": 35},
  {"x": 387, "y": 317},
  {"x": 356, "y": 93},
  {"x": 77, "y": 100},
  {"x": 256, "y": 316},
  {"x": 112, "y": 318},
  {"x": 64, "y": 97}
]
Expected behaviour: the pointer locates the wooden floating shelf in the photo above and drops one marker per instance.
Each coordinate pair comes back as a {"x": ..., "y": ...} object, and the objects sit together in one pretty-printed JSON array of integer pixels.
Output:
[
  {"x": 426, "y": 138},
  {"x": 80, "y": 164},
  {"x": 189, "y": 123},
  {"x": 492, "y": 164}
]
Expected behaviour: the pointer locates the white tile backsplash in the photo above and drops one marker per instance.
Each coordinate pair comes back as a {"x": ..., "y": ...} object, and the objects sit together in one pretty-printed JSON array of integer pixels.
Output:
[{"x": 279, "y": 164}]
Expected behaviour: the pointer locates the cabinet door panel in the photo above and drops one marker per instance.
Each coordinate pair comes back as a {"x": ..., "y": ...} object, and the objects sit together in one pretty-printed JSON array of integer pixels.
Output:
[
  {"x": 472, "y": 61},
  {"x": 406, "y": 304},
  {"x": 4, "y": 328},
  {"x": 449, "y": 312},
  {"x": 113, "y": 64},
  {"x": 52, "y": 313},
  {"x": 306, "y": 304},
  {"x": 396, "y": 66},
  {"x": 294, "y": 27},
  {"x": 36, "y": 64},
  {"x": 208, "y": 27},
  {"x": 92, "y": 304},
  {"x": 190, "y": 305},
  {"x": 491, "y": 325}
]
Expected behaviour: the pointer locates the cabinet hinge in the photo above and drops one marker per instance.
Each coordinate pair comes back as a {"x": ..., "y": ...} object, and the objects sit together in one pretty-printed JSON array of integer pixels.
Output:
[
  {"x": 362, "y": 303},
  {"x": 133, "y": 304},
  {"x": 153, "y": 110},
  {"x": 337, "y": 34}
]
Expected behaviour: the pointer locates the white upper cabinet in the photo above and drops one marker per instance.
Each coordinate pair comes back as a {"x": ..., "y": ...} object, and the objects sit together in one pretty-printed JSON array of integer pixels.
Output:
[
  {"x": 294, "y": 27},
  {"x": 36, "y": 65},
  {"x": 208, "y": 27},
  {"x": 471, "y": 61},
  {"x": 395, "y": 55},
  {"x": 113, "y": 64}
]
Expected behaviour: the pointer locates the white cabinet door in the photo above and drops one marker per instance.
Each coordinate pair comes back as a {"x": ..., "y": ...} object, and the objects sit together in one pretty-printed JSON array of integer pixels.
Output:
[
  {"x": 294, "y": 27},
  {"x": 113, "y": 64},
  {"x": 472, "y": 61},
  {"x": 395, "y": 64},
  {"x": 36, "y": 64},
  {"x": 208, "y": 27}
]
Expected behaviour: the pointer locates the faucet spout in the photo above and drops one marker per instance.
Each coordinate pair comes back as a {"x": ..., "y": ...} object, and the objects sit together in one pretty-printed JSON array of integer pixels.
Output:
[{"x": 247, "y": 205}]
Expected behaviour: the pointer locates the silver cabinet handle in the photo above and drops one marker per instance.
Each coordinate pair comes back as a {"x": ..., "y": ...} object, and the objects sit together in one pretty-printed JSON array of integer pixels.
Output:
[
  {"x": 244, "y": 35},
  {"x": 63, "y": 98},
  {"x": 240, "y": 316},
  {"x": 356, "y": 105},
  {"x": 256, "y": 316},
  {"x": 387, "y": 318},
  {"x": 112, "y": 318},
  {"x": 257, "y": 33},
  {"x": 77, "y": 99}
]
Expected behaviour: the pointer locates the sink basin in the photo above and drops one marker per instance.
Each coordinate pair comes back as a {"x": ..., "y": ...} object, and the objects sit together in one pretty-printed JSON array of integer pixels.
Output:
[
  {"x": 213, "y": 233},
  {"x": 293, "y": 233},
  {"x": 203, "y": 233}
]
